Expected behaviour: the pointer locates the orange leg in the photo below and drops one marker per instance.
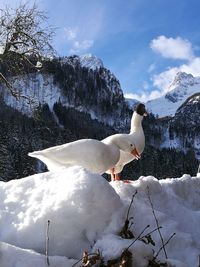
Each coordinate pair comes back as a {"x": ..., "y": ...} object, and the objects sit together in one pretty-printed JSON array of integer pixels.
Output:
[
  {"x": 112, "y": 174},
  {"x": 117, "y": 177}
]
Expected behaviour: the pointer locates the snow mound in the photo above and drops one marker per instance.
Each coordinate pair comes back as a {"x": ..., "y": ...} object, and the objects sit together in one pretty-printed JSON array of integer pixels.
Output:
[
  {"x": 12, "y": 256},
  {"x": 112, "y": 246},
  {"x": 72, "y": 199},
  {"x": 87, "y": 213},
  {"x": 176, "y": 203}
]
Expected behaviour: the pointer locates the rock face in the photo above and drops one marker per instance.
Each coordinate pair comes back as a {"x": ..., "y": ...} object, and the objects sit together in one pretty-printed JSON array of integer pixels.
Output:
[
  {"x": 186, "y": 124},
  {"x": 77, "y": 97},
  {"x": 81, "y": 83}
]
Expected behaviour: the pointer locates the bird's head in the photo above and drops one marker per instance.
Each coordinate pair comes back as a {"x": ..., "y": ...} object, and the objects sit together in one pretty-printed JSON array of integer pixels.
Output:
[{"x": 141, "y": 110}]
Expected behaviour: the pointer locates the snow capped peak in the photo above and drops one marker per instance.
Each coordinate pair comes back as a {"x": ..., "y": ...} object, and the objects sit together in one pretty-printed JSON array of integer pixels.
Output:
[
  {"x": 184, "y": 79},
  {"x": 184, "y": 86},
  {"x": 90, "y": 61},
  {"x": 183, "y": 76}
]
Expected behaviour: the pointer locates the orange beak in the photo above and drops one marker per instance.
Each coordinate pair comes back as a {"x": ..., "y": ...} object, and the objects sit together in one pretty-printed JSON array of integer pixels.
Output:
[{"x": 135, "y": 153}]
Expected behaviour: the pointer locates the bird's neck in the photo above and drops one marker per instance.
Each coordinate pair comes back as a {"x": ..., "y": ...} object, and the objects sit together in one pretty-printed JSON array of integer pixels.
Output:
[
  {"x": 112, "y": 140},
  {"x": 136, "y": 122},
  {"x": 115, "y": 140},
  {"x": 113, "y": 145}
]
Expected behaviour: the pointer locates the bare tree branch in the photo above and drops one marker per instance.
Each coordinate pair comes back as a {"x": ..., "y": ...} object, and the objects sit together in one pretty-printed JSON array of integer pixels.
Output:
[
  {"x": 163, "y": 246},
  {"x": 25, "y": 39},
  {"x": 47, "y": 243},
  {"x": 157, "y": 223}
]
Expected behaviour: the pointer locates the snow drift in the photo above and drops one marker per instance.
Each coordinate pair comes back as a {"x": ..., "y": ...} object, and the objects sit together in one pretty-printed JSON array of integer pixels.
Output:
[{"x": 87, "y": 213}]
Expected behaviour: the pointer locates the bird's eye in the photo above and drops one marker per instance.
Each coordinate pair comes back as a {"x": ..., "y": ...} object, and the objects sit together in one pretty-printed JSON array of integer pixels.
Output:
[{"x": 131, "y": 144}]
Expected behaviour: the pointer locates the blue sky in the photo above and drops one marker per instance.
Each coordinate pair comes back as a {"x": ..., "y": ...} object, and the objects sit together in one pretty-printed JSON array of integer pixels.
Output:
[{"x": 144, "y": 43}]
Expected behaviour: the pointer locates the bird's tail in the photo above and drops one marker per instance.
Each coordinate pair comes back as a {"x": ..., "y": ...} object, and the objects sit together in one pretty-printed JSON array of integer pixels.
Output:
[
  {"x": 34, "y": 154},
  {"x": 51, "y": 164}
]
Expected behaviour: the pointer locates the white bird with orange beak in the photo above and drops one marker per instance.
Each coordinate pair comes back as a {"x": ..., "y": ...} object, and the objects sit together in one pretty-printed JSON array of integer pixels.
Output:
[
  {"x": 96, "y": 156},
  {"x": 137, "y": 137}
]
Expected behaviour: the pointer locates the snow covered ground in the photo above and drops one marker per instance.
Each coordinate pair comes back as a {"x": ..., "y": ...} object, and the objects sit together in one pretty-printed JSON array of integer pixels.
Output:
[{"x": 87, "y": 213}]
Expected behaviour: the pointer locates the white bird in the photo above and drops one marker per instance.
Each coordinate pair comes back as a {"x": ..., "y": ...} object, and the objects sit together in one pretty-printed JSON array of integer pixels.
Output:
[
  {"x": 198, "y": 172},
  {"x": 137, "y": 137},
  {"x": 94, "y": 155}
]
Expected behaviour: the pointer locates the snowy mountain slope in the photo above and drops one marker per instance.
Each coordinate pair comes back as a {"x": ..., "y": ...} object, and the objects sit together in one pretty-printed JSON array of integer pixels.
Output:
[
  {"x": 183, "y": 86},
  {"x": 185, "y": 125},
  {"x": 81, "y": 83},
  {"x": 74, "y": 201},
  {"x": 39, "y": 88}
]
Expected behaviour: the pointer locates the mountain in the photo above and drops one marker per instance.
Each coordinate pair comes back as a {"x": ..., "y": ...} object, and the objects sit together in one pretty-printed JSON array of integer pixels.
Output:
[
  {"x": 186, "y": 124},
  {"x": 91, "y": 61},
  {"x": 73, "y": 82},
  {"x": 77, "y": 97},
  {"x": 88, "y": 61},
  {"x": 183, "y": 86}
]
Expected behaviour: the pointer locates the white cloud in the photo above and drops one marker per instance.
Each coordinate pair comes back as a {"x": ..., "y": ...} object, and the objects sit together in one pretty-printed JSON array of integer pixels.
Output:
[
  {"x": 144, "y": 97},
  {"x": 163, "y": 80},
  {"x": 81, "y": 46},
  {"x": 152, "y": 67},
  {"x": 75, "y": 41},
  {"x": 145, "y": 85},
  {"x": 175, "y": 48},
  {"x": 70, "y": 33},
  {"x": 193, "y": 67}
]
